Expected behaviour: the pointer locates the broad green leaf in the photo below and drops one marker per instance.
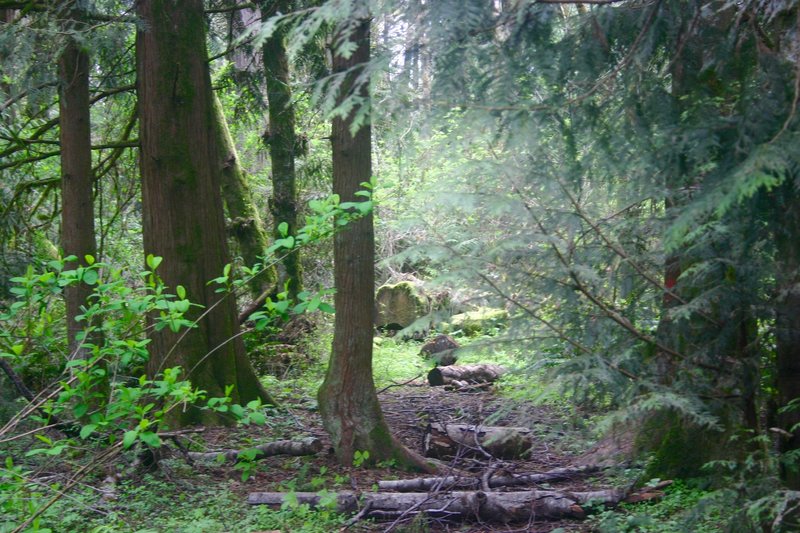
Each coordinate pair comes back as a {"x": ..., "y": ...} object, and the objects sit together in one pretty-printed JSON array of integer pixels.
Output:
[{"x": 129, "y": 438}]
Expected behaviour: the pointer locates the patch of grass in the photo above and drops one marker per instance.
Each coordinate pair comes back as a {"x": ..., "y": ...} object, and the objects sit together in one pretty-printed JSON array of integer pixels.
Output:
[{"x": 397, "y": 361}]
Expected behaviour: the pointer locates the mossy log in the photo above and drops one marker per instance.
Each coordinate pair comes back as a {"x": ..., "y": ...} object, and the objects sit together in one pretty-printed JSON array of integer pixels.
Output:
[
  {"x": 496, "y": 507},
  {"x": 503, "y": 442},
  {"x": 463, "y": 375},
  {"x": 307, "y": 446}
]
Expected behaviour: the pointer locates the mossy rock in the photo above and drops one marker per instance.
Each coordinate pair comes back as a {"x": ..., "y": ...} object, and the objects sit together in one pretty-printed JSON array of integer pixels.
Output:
[
  {"x": 398, "y": 306},
  {"x": 482, "y": 320}
]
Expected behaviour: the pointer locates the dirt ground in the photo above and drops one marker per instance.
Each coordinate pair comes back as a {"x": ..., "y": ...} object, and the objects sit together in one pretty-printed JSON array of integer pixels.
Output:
[{"x": 408, "y": 410}]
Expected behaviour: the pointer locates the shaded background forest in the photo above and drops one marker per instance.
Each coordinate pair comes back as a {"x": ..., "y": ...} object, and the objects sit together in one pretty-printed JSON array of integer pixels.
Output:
[{"x": 620, "y": 176}]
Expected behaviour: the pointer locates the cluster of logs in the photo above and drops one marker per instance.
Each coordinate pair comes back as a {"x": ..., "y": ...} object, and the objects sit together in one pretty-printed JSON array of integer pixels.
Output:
[{"x": 439, "y": 501}]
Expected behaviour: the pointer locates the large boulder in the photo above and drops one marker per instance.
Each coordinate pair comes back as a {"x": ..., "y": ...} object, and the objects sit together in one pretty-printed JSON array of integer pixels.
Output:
[
  {"x": 398, "y": 306},
  {"x": 440, "y": 349}
]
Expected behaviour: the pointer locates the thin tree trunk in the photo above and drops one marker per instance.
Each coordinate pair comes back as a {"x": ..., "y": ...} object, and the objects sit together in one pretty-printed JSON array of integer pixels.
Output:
[
  {"x": 245, "y": 222},
  {"x": 183, "y": 213},
  {"x": 348, "y": 402},
  {"x": 281, "y": 140}
]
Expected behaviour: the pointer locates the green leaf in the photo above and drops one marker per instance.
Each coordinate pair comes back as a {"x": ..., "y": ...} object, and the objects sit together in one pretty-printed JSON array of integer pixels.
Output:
[
  {"x": 180, "y": 290},
  {"x": 153, "y": 261},
  {"x": 257, "y": 417},
  {"x": 129, "y": 438},
  {"x": 287, "y": 242},
  {"x": 283, "y": 229},
  {"x": 80, "y": 410},
  {"x": 87, "y": 430},
  {"x": 150, "y": 438},
  {"x": 89, "y": 259},
  {"x": 326, "y": 308},
  {"x": 90, "y": 277}
]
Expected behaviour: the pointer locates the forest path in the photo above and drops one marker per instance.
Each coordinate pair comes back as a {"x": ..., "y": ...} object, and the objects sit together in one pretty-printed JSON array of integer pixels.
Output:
[{"x": 409, "y": 409}]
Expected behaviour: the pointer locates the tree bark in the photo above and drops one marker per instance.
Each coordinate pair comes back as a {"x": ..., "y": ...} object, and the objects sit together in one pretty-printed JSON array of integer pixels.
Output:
[
  {"x": 245, "y": 222},
  {"x": 348, "y": 402},
  {"x": 77, "y": 195},
  {"x": 464, "y": 374},
  {"x": 183, "y": 214},
  {"x": 282, "y": 142}
]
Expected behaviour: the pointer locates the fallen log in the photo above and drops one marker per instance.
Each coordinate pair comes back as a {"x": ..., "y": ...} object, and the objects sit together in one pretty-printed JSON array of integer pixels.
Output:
[
  {"x": 307, "y": 446},
  {"x": 463, "y": 375},
  {"x": 461, "y": 482},
  {"x": 499, "y": 507},
  {"x": 503, "y": 442}
]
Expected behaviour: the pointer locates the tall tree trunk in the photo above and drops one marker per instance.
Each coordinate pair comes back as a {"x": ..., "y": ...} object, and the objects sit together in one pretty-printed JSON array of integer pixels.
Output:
[
  {"x": 281, "y": 141},
  {"x": 787, "y": 319},
  {"x": 77, "y": 213},
  {"x": 348, "y": 402},
  {"x": 183, "y": 214},
  {"x": 245, "y": 222}
]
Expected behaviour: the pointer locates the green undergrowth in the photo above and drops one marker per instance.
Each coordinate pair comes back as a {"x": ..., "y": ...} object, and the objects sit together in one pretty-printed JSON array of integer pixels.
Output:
[
  {"x": 153, "y": 505},
  {"x": 684, "y": 508}
]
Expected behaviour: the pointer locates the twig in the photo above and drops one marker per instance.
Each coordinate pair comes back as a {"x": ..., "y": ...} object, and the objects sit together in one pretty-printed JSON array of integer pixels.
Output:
[{"x": 394, "y": 384}]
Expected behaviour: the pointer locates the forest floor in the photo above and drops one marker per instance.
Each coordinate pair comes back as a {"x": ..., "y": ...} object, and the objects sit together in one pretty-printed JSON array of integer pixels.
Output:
[
  {"x": 212, "y": 497},
  {"x": 407, "y": 409}
]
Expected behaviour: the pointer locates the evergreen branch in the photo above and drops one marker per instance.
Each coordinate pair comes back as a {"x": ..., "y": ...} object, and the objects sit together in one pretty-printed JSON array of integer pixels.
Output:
[
  {"x": 31, "y": 159},
  {"x": 52, "y": 123},
  {"x": 230, "y": 49},
  {"x": 29, "y": 141},
  {"x": 103, "y": 167},
  {"x": 617, "y": 249},
  {"x": 608, "y": 309},
  {"x": 625, "y": 61},
  {"x": 560, "y": 333},
  {"x": 793, "y": 110},
  {"x": 19, "y": 96},
  {"x": 54, "y": 153}
]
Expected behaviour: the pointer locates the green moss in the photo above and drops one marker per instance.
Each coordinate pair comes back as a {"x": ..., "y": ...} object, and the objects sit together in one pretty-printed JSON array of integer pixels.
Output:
[
  {"x": 680, "y": 449},
  {"x": 399, "y": 304},
  {"x": 482, "y": 320}
]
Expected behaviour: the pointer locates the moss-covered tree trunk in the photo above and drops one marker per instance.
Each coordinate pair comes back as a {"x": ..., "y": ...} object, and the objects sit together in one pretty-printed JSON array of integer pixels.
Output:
[
  {"x": 183, "y": 214},
  {"x": 244, "y": 221},
  {"x": 348, "y": 402},
  {"x": 281, "y": 141},
  {"x": 77, "y": 213}
]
